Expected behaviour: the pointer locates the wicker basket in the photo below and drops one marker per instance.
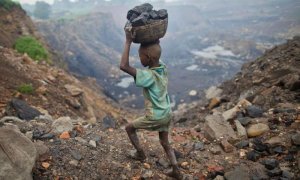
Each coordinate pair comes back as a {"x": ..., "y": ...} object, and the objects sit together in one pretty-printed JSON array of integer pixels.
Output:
[{"x": 147, "y": 33}]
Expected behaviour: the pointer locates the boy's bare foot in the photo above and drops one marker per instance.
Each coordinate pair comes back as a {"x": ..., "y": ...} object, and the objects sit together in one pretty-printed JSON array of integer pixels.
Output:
[
  {"x": 140, "y": 156},
  {"x": 174, "y": 173}
]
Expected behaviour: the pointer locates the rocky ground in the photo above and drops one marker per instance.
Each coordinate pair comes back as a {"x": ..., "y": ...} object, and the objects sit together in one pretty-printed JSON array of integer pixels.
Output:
[{"x": 64, "y": 128}]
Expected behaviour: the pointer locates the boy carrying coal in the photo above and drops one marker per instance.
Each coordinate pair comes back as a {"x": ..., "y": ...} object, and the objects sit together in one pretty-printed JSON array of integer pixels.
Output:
[{"x": 157, "y": 116}]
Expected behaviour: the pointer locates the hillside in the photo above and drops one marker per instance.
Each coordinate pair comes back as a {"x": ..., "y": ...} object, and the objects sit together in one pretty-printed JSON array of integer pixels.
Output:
[
  {"x": 87, "y": 150},
  {"x": 14, "y": 23}
]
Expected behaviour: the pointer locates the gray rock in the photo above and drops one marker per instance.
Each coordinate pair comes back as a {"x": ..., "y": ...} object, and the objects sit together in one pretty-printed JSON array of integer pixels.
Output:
[
  {"x": 242, "y": 144},
  {"x": 270, "y": 163},
  {"x": 17, "y": 155},
  {"x": 62, "y": 124},
  {"x": 212, "y": 92},
  {"x": 199, "y": 146},
  {"x": 275, "y": 172},
  {"x": 76, "y": 155},
  {"x": 73, "y": 162},
  {"x": 216, "y": 127},
  {"x": 254, "y": 111},
  {"x": 92, "y": 143},
  {"x": 244, "y": 120},
  {"x": 241, "y": 131},
  {"x": 47, "y": 136},
  {"x": 96, "y": 138},
  {"x": 258, "y": 172},
  {"x": 238, "y": 173},
  {"x": 253, "y": 155},
  {"x": 81, "y": 140},
  {"x": 164, "y": 163},
  {"x": 108, "y": 122},
  {"x": 296, "y": 139}
]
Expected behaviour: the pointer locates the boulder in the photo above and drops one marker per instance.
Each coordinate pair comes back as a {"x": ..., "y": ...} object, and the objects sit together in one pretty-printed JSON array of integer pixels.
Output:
[
  {"x": 216, "y": 127},
  {"x": 17, "y": 155},
  {"x": 21, "y": 109},
  {"x": 61, "y": 125},
  {"x": 257, "y": 129}
]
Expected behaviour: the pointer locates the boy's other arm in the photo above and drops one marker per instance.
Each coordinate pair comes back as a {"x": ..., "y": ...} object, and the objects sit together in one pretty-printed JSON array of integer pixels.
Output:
[{"x": 124, "y": 65}]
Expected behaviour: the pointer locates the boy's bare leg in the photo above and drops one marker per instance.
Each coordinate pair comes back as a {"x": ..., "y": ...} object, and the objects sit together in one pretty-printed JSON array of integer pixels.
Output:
[
  {"x": 131, "y": 131},
  {"x": 164, "y": 141}
]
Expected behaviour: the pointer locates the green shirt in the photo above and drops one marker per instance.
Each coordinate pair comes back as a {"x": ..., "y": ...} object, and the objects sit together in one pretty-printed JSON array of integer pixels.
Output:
[{"x": 155, "y": 83}]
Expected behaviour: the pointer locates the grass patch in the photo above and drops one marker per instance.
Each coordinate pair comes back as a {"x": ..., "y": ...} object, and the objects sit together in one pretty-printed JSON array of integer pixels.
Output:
[
  {"x": 9, "y": 4},
  {"x": 31, "y": 46},
  {"x": 26, "y": 89}
]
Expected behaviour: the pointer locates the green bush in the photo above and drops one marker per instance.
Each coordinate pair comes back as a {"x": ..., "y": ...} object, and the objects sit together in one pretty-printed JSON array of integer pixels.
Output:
[
  {"x": 8, "y": 4},
  {"x": 32, "y": 47},
  {"x": 26, "y": 89}
]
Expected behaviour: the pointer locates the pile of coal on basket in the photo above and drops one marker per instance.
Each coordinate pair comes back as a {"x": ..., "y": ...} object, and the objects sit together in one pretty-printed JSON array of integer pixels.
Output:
[
  {"x": 144, "y": 14},
  {"x": 146, "y": 25}
]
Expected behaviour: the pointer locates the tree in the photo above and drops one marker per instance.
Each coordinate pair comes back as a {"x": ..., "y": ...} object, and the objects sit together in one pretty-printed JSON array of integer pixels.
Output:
[{"x": 42, "y": 10}]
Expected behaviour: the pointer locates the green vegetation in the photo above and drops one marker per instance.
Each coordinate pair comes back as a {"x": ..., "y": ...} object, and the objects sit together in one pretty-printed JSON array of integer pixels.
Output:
[
  {"x": 31, "y": 46},
  {"x": 8, "y": 4},
  {"x": 26, "y": 89}
]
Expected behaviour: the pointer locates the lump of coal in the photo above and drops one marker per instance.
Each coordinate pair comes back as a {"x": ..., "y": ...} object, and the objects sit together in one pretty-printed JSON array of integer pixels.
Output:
[
  {"x": 138, "y": 10},
  {"x": 143, "y": 14},
  {"x": 162, "y": 14},
  {"x": 141, "y": 20}
]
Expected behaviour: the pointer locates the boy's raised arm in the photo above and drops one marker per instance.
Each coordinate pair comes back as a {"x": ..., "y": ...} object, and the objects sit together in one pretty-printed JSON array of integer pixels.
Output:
[{"x": 124, "y": 65}]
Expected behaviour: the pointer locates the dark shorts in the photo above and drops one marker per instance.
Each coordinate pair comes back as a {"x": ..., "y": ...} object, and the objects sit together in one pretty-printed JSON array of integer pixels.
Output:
[{"x": 147, "y": 123}]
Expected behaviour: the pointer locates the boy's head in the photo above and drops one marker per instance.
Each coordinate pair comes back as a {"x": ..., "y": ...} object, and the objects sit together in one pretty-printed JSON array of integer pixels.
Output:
[{"x": 149, "y": 53}]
